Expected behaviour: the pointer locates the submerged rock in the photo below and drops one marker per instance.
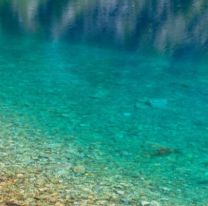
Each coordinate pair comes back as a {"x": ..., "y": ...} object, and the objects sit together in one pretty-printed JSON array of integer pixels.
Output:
[
  {"x": 149, "y": 203},
  {"x": 157, "y": 103},
  {"x": 20, "y": 175},
  {"x": 145, "y": 203},
  {"x": 79, "y": 169},
  {"x": 11, "y": 204},
  {"x": 154, "y": 203},
  {"x": 2, "y": 180},
  {"x": 164, "y": 151},
  {"x": 120, "y": 192}
]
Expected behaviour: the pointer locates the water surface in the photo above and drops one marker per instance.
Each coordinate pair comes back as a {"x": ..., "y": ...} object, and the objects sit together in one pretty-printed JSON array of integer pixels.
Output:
[{"x": 103, "y": 102}]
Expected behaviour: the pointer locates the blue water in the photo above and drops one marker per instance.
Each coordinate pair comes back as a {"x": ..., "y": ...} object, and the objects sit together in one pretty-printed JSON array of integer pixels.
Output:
[{"x": 103, "y": 103}]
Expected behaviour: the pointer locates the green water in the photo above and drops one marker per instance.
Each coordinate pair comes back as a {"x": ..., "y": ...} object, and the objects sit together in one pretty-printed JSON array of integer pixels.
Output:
[{"x": 97, "y": 111}]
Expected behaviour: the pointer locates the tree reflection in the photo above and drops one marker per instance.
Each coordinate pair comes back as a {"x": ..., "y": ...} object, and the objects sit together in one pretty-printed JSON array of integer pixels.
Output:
[{"x": 162, "y": 24}]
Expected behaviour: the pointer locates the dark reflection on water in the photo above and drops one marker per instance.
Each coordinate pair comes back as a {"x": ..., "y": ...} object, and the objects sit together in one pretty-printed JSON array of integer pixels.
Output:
[{"x": 167, "y": 26}]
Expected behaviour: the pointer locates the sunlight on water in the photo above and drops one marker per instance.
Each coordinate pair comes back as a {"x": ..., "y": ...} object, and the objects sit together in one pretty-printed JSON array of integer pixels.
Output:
[{"x": 103, "y": 102}]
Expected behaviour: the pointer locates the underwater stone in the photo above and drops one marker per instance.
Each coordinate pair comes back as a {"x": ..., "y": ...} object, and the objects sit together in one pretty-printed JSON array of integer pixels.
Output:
[
  {"x": 20, "y": 175},
  {"x": 151, "y": 203},
  {"x": 1, "y": 180},
  {"x": 157, "y": 103},
  {"x": 59, "y": 204},
  {"x": 154, "y": 203},
  {"x": 145, "y": 203},
  {"x": 120, "y": 192},
  {"x": 11, "y": 204},
  {"x": 163, "y": 151},
  {"x": 79, "y": 169}
]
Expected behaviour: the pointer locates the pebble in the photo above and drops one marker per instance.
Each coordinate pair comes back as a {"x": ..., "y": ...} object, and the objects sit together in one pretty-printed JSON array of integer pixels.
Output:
[
  {"x": 11, "y": 204},
  {"x": 120, "y": 192},
  {"x": 149, "y": 203},
  {"x": 145, "y": 203},
  {"x": 20, "y": 175},
  {"x": 59, "y": 204},
  {"x": 44, "y": 189},
  {"x": 165, "y": 189},
  {"x": 79, "y": 169},
  {"x": 154, "y": 203}
]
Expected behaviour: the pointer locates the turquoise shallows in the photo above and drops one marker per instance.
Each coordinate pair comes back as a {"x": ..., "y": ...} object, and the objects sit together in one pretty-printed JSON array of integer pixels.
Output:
[{"x": 103, "y": 103}]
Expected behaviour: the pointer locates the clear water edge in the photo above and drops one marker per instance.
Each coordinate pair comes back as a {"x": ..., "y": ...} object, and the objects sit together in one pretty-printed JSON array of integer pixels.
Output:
[{"x": 69, "y": 106}]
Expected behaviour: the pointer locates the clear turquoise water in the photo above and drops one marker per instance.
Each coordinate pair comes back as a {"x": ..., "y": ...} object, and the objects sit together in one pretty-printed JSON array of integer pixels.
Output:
[{"x": 117, "y": 88}]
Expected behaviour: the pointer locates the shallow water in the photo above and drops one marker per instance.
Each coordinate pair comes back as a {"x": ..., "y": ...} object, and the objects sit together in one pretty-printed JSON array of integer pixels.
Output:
[{"x": 103, "y": 102}]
